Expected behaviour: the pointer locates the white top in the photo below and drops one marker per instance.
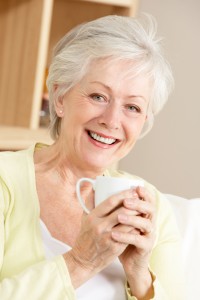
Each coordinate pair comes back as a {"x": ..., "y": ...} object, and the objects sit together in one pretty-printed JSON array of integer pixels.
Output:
[{"x": 106, "y": 285}]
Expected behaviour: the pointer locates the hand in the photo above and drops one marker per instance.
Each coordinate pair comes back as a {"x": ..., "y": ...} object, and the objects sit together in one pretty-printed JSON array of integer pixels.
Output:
[
  {"x": 95, "y": 248},
  {"x": 141, "y": 239}
]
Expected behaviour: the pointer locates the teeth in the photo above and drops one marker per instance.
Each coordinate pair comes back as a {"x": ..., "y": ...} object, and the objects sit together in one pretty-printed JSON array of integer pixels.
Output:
[{"x": 102, "y": 139}]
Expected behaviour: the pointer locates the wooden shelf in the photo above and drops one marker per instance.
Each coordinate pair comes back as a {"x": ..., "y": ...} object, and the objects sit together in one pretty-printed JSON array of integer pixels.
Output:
[
  {"x": 29, "y": 30},
  {"x": 16, "y": 138}
]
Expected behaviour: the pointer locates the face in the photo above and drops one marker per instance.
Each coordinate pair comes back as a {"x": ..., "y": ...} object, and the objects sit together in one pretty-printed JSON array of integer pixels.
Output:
[{"x": 103, "y": 115}]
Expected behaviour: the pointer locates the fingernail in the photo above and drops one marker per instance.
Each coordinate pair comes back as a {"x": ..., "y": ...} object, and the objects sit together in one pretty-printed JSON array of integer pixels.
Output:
[{"x": 115, "y": 234}]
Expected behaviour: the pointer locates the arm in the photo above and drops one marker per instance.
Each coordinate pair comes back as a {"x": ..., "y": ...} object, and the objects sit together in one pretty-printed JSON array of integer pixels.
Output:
[
  {"x": 44, "y": 280},
  {"x": 25, "y": 270}
]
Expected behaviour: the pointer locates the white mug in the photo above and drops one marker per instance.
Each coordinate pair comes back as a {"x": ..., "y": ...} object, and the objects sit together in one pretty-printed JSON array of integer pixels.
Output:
[{"x": 104, "y": 187}]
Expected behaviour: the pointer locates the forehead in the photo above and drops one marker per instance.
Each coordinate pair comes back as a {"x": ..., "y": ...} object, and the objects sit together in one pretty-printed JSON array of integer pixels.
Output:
[{"x": 118, "y": 74}]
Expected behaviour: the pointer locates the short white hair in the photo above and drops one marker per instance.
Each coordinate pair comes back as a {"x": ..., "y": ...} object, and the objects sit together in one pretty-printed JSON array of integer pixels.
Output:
[{"x": 114, "y": 37}]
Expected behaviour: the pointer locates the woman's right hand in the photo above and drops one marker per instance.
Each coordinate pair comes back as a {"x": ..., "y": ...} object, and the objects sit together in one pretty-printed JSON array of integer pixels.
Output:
[{"x": 94, "y": 248}]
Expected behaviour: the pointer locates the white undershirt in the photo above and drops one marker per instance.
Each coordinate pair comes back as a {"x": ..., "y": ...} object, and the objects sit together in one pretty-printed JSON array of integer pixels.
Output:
[{"x": 106, "y": 285}]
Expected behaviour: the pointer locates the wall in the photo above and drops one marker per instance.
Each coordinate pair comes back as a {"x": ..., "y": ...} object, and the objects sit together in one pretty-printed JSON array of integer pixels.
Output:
[{"x": 168, "y": 156}]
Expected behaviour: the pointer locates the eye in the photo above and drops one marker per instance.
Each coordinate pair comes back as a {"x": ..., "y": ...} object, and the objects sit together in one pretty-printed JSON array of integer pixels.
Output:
[
  {"x": 98, "y": 97},
  {"x": 133, "y": 108}
]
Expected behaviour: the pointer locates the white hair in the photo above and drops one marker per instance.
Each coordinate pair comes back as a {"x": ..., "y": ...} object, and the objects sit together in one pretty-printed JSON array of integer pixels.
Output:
[{"x": 113, "y": 37}]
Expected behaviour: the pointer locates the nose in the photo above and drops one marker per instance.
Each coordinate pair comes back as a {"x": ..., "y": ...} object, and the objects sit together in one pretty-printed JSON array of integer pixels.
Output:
[{"x": 110, "y": 117}]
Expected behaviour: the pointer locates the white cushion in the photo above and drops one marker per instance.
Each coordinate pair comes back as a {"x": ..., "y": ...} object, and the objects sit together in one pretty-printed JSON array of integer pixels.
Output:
[{"x": 187, "y": 213}]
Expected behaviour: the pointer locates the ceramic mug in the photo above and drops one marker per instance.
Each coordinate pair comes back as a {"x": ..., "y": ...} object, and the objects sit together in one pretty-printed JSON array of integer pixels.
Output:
[{"x": 104, "y": 187}]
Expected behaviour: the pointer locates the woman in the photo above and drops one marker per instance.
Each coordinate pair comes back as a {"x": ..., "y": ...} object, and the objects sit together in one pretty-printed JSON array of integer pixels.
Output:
[{"x": 106, "y": 82}]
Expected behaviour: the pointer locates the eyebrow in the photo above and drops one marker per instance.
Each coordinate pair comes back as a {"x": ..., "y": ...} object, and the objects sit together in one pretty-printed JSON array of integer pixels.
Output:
[
  {"x": 101, "y": 83},
  {"x": 109, "y": 88}
]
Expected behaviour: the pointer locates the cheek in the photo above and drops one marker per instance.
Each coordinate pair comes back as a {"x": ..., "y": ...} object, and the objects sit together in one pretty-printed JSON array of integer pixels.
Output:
[
  {"x": 132, "y": 135},
  {"x": 134, "y": 129}
]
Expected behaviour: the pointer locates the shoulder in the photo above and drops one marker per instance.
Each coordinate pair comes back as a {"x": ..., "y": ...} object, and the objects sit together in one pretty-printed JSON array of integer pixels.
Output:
[
  {"x": 14, "y": 171},
  {"x": 15, "y": 164},
  {"x": 14, "y": 158}
]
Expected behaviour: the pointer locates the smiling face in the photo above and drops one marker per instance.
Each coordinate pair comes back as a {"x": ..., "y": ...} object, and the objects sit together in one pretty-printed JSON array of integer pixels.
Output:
[{"x": 103, "y": 115}]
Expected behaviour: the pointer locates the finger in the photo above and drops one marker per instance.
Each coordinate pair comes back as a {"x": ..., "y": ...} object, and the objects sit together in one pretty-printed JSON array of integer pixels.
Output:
[
  {"x": 145, "y": 194},
  {"x": 137, "y": 240},
  {"x": 142, "y": 242},
  {"x": 111, "y": 220},
  {"x": 113, "y": 202},
  {"x": 144, "y": 225},
  {"x": 126, "y": 228},
  {"x": 142, "y": 207},
  {"x": 149, "y": 197}
]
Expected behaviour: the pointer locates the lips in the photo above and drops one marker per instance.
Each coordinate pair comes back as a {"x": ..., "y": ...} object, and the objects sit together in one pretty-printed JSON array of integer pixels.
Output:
[{"x": 102, "y": 139}]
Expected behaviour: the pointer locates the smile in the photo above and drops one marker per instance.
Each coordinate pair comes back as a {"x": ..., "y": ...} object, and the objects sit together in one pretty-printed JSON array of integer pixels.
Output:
[{"x": 99, "y": 138}]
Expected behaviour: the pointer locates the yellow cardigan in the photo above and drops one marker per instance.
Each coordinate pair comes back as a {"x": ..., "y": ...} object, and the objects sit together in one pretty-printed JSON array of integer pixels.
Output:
[{"x": 25, "y": 273}]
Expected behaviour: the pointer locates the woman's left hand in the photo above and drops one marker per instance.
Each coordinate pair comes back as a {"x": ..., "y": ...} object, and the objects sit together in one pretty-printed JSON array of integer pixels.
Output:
[{"x": 140, "y": 239}]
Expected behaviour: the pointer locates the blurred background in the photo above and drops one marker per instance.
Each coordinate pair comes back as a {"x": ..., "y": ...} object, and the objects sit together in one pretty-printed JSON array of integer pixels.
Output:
[{"x": 168, "y": 156}]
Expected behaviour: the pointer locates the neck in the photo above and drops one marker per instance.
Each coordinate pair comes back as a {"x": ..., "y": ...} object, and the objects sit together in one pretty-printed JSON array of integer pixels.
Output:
[{"x": 52, "y": 159}]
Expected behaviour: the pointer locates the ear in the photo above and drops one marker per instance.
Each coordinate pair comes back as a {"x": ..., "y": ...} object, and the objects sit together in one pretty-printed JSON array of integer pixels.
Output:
[{"x": 58, "y": 103}]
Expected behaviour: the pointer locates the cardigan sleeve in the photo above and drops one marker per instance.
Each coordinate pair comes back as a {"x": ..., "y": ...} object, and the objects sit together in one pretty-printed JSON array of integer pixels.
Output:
[
  {"x": 158, "y": 291},
  {"x": 45, "y": 280}
]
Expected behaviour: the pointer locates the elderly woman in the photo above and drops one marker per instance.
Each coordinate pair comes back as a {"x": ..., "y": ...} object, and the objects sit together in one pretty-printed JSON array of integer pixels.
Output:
[{"x": 106, "y": 82}]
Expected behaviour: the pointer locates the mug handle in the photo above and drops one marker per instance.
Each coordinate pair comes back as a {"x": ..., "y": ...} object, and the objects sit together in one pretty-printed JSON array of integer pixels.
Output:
[{"x": 78, "y": 193}]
